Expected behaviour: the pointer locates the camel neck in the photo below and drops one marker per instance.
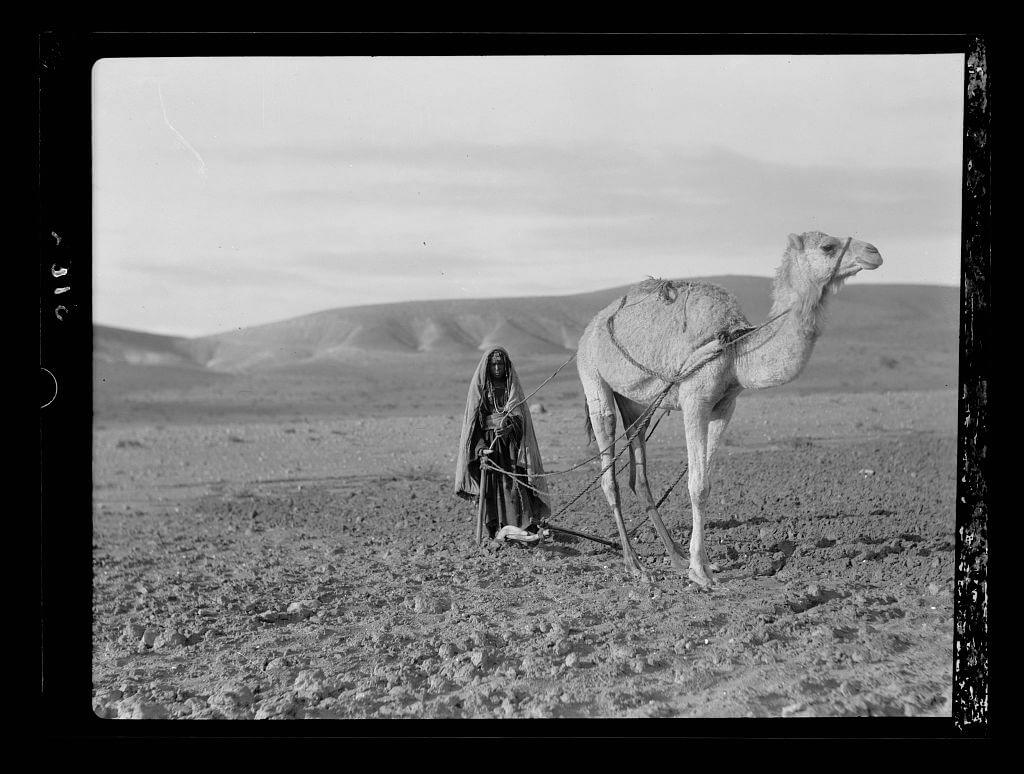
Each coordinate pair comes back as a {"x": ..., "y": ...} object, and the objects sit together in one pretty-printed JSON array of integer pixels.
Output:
[{"x": 777, "y": 353}]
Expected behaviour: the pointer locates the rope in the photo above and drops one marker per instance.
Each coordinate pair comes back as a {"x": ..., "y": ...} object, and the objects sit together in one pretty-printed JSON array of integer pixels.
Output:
[
  {"x": 580, "y": 464},
  {"x": 514, "y": 406},
  {"x": 648, "y": 412},
  {"x": 518, "y": 477},
  {"x": 610, "y": 324},
  {"x": 632, "y": 530},
  {"x": 682, "y": 374},
  {"x": 668, "y": 292}
]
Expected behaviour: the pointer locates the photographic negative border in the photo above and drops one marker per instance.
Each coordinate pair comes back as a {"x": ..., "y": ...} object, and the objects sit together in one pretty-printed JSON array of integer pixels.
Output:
[{"x": 64, "y": 247}]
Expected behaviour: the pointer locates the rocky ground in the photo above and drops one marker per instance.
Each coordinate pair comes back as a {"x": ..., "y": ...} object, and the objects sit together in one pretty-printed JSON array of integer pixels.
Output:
[{"x": 321, "y": 568}]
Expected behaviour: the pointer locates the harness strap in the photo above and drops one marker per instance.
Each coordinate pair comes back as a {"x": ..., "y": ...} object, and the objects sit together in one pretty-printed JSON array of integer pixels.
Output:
[{"x": 726, "y": 338}]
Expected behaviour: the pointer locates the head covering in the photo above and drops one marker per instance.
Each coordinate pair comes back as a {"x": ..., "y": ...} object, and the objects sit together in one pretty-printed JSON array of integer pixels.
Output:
[{"x": 529, "y": 453}]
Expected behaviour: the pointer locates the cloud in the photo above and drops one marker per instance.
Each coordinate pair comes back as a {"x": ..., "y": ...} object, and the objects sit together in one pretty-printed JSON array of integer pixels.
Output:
[
  {"x": 389, "y": 264},
  {"x": 210, "y": 271},
  {"x": 582, "y": 182},
  {"x": 559, "y": 212}
]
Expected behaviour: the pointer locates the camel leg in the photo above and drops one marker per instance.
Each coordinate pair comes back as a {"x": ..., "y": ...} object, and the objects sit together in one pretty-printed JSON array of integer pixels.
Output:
[
  {"x": 696, "y": 414},
  {"x": 602, "y": 419},
  {"x": 675, "y": 553},
  {"x": 721, "y": 414}
]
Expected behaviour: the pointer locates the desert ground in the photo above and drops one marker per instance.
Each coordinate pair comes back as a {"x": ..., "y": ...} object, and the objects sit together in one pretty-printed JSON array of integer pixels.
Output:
[{"x": 312, "y": 562}]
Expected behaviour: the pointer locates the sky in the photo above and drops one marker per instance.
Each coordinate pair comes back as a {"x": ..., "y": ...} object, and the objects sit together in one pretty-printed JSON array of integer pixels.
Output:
[{"x": 231, "y": 192}]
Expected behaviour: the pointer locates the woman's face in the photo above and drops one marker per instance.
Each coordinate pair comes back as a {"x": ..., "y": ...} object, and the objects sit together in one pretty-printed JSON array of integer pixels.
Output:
[{"x": 496, "y": 366}]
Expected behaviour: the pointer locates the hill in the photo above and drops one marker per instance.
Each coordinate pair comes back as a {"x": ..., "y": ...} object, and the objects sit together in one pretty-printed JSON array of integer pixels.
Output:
[{"x": 878, "y": 337}]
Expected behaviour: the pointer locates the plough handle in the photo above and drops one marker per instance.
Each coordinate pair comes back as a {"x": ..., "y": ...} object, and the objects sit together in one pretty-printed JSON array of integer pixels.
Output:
[{"x": 566, "y": 530}]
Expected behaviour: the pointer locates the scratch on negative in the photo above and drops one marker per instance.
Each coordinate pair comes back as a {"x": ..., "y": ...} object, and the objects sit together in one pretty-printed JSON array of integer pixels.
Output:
[{"x": 200, "y": 165}]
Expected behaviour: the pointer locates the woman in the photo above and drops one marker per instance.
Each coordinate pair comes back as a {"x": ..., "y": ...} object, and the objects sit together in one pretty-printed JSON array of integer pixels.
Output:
[{"x": 497, "y": 426}]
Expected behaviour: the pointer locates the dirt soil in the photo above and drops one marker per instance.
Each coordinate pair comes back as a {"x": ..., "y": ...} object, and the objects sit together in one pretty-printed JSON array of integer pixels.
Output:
[{"x": 322, "y": 568}]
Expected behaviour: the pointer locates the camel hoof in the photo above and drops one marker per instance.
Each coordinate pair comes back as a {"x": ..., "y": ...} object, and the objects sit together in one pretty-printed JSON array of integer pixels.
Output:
[
  {"x": 701, "y": 579},
  {"x": 638, "y": 573}
]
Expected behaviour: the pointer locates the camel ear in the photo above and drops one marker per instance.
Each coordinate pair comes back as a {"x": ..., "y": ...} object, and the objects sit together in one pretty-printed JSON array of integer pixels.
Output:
[{"x": 796, "y": 242}]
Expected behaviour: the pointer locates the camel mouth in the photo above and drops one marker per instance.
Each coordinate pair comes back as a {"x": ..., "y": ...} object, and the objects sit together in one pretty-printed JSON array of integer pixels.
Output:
[{"x": 869, "y": 263}]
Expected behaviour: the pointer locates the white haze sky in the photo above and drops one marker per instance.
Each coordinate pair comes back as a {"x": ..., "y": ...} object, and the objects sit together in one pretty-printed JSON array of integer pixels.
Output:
[{"x": 230, "y": 192}]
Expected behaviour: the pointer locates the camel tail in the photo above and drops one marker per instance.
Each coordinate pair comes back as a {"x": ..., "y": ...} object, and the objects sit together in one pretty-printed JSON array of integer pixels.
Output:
[
  {"x": 588, "y": 428},
  {"x": 628, "y": 418}
]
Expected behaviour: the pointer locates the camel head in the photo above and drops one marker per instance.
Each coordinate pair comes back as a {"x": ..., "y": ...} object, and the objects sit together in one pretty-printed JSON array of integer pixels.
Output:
[
  {"x": 815, "y": 264},
  {"x": 812, "y": 257}
]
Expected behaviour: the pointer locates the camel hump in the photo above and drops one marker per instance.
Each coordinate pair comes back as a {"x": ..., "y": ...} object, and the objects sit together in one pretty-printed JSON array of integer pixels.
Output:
[{"x": 700, "y": 310}]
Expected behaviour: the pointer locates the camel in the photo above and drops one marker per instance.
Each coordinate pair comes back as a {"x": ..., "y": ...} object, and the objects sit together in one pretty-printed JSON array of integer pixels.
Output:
[{"x": 689, "y": 346}]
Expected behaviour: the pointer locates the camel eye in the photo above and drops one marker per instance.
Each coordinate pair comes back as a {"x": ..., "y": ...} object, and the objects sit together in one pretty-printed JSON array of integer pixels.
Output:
[{"x": 828, "y": 248}]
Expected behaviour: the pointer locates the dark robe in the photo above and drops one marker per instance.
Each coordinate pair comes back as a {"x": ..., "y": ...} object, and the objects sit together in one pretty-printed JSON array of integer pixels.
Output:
[{"x": 508, "y": 500}]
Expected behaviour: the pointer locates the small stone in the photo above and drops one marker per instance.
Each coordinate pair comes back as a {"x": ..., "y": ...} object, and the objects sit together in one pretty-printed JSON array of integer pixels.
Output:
[
  {"x": 135, "y": 708},
  {"x": 270, "y": 616},
  {"x": 622, "y": 652},
  {"x": 303, "y": 607},
  {"x": 277, "y": 707},
  {"x": 109, "y": 695},
  {"x": 149, "y": 637},
  {"x": 814, "y": 591},
  {"x": 424, "y": 603},
  {"x": 170, "y": 639},
  {"x": 933, "y": 589},
  {"x": 104, "y": 703},
  {"x": 134, "y": 631},
  {"x": 231, "y": 695},
  {"x": 478, "y": 637},
  {"x": 792, "y": 709},
  {"x": 102, "y": 710},
  {"x": 277, "y": 664},
  {"x": 571, "y": 660},
  {"x": 311, "y": 684}
]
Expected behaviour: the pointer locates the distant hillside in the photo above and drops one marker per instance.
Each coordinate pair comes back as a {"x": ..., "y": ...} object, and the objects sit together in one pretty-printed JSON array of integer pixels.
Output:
[
  {"x": 877, "y": 337},
  {"x": 921, "y": 316},
  {"x": 118, "y": 345}
]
